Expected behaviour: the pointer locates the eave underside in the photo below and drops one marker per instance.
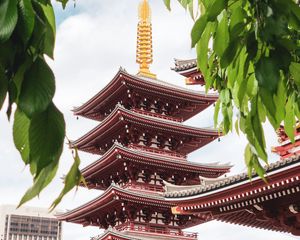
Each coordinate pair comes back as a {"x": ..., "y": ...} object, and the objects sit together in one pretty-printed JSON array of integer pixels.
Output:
[
  {"x": 122, "y": 158},
  {"x": 130, "y": 127},
  {"x": 125, "y": 87}
]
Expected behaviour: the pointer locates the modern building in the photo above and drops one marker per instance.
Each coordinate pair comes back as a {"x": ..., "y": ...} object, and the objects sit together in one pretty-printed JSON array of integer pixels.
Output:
[{"x": 28, "y": 223}]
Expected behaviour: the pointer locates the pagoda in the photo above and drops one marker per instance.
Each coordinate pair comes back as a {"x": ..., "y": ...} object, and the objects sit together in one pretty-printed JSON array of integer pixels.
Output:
[
  {"x": 142, "y": 143},
  {"x": 273, "y": 205}
]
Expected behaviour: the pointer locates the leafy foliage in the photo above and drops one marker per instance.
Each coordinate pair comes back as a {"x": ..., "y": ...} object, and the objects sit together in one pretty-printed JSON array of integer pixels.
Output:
[
  {"x": 27, "y": 34},
  {"x": 249, "y": 51}
]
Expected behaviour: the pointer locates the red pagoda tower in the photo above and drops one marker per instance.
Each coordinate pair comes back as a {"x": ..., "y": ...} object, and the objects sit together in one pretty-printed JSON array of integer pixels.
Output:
[{"x": 142, "y": 143}]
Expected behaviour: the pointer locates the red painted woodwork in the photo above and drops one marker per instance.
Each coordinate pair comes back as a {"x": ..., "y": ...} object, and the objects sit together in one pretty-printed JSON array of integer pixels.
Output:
[
  {"x": 143, "y": 144},
  {"x": 152, "y": 97}
]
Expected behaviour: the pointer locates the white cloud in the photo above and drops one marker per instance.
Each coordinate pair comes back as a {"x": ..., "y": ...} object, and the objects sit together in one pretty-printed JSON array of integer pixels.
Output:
[{"x": 92, "y": 43}]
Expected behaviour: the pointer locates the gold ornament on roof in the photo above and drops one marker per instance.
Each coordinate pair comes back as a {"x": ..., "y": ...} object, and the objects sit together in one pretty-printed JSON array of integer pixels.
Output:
[{"x": 144, "y": 52}]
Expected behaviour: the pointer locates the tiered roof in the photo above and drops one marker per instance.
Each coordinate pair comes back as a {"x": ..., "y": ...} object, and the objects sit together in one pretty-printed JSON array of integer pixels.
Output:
[
  {"x": 118, "y": 157},
  {"x": 117, "y": 202},
  {"x": 117, "y": 122},
  {"x": 187, "y": 102}
]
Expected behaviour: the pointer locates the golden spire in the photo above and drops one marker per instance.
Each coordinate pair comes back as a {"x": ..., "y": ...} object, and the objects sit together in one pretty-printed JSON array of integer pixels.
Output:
[{"x": 144, "y": 40}]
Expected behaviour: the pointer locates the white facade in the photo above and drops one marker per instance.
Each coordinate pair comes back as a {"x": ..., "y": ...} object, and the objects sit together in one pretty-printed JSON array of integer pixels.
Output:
[{"x": 28, "y": 223}]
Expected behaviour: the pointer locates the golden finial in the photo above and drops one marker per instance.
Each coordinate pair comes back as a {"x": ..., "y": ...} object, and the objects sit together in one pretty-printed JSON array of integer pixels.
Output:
[{"x": 144, "y": 40}]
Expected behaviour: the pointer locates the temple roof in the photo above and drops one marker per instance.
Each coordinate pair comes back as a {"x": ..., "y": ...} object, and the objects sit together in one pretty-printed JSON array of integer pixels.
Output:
[
  {"x": 182, "y": 65},
  {"x": 120, "y": 117},
  {"x": 119, "y": 153},
  {"x": 118, "y": 87},
  {"x": 215, "y": 185},
  {"x": 272, "y": 205},
  {"x": 111, "y": 196}
]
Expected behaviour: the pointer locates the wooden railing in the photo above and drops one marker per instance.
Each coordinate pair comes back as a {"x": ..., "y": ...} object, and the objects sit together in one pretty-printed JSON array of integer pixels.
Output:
[
  {"x": 145, "y": 187},
  {"x": 158, "y": 230}
]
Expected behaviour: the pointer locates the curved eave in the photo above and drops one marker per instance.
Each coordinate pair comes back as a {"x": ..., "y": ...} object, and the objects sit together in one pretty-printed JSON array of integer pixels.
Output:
[
  {"x": 184, "y": 65},
  {"x": 111, "y": 196},
  {"x": 208, "y": 197},
  {"x": 110, "y": 157},
  {"x": 189, "y": 72},
  {"x": 121, "y": 114},
  {"x": 157, "y": 87}
]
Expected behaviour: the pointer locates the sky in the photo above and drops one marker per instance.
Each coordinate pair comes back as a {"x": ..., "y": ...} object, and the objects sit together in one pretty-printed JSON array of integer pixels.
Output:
[{"x": 94, "y": 39}]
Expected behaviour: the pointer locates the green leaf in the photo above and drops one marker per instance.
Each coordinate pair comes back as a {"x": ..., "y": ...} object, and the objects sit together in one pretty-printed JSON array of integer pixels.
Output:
[
  {"x": 63, "y": 2},
  {"x": 215, "y": 9},
  {"x": 37, "y": 89},
  {"x": 19, "y": 75},
  {"x": 230, "y": 53},
  {"x": 46, "y": 137},
  {"x": 20, "y": 134},
  {"x": 3, "y": 86},
  {"x": 267, "y": 74},
  {"x": 236, "y": 125},
  {"x": 280, "y": 99},
  {"x": 289, "y": 120},
  {"x": 268, "y": 101},
  {"x": 42, "y": 180},
  {"x": 295, "y": 72},
  {"x": 72, "y": 179},
  {"x": 27, "y": 18},
  {"x": 222, "y": 36},
  {"x": 49, "y": 14},
  {"x": 258, "y": 168},
  {"x": 237, "y": 22},
  {"x": 8, "y": 18},
  {"x": 259, "y": 137},
  {"x": 216, "y": 113},
  {"x": 248, "y": 159},
  {"x": 49, "y": 39},
  {"x": 252, "y": 46},
  {"x": 225, "y": 96},
  {"x": 202, "y": 50},
  {"x": 198, "y": 29},
  {"x": 252, "y": 86},
  {"x": 167, "y": 3}
]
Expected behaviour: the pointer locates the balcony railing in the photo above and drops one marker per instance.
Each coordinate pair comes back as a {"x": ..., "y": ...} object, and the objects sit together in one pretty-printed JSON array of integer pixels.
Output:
[{"x": 158, "y": 230}]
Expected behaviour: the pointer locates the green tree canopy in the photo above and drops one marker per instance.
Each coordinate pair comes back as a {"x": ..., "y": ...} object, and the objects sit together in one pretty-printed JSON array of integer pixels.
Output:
[{"x": 248, "y": 50}]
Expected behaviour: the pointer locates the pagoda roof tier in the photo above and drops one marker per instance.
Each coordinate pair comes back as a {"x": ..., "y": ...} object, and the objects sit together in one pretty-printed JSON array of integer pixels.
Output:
[
  {"x": 185, "y": 66},
  {"x": 117, "y": 203},
  {"x": 236, "y": 199},
  {"x": 189, "y": 69},
  {"x": 111, "y": 197},
  {"x": 115, "y": 162},
  {"x": 132, "y": 90},
  {"x": 129, "y": 127}
]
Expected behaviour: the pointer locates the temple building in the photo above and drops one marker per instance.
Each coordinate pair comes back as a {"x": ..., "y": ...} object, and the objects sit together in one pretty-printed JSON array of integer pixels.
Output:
[
  {"x": 142, "y": 142},
  {"x": 272, "y": 205}
]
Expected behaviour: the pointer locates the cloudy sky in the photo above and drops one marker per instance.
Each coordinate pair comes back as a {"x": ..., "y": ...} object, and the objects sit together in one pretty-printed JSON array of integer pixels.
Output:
[{"x": 93, "y": 40}]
